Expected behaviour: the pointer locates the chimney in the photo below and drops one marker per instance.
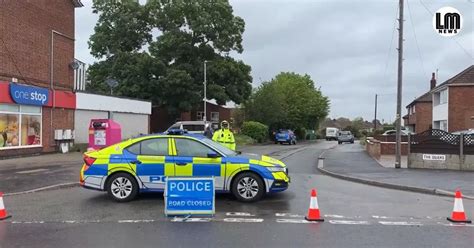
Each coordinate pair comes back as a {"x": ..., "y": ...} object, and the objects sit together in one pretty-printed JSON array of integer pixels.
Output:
[{"x": 433, "y": 81}]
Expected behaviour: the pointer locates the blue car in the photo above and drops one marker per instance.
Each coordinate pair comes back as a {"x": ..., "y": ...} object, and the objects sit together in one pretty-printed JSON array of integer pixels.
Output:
[{"x": 285, "y": 136}]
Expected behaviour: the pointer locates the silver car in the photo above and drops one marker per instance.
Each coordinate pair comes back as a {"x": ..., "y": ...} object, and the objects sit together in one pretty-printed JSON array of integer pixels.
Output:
[
  {"x": 192, "y": 126},
  {"x": 345, "y": 136}
]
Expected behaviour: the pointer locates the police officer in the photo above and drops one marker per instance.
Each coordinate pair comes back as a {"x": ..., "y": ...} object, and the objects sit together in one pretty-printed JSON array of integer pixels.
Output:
[{"x": 224, "y": 136}]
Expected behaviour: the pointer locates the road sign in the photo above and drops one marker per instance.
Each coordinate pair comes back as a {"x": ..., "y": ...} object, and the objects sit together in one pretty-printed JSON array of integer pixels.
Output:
[
  {"x": 435, "y": 157},
  {"x": 189, "y": 196}
]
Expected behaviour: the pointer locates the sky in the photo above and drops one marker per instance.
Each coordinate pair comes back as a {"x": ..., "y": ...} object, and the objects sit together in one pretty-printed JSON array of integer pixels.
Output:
[{"x": 348, "y": 47}]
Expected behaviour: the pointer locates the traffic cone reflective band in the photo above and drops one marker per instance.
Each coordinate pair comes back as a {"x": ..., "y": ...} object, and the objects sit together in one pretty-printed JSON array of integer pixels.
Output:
[
  {"x": 3, "y": 211},
  {"x": 458, "y": 214},
  {"x": 313, "y": 212}
]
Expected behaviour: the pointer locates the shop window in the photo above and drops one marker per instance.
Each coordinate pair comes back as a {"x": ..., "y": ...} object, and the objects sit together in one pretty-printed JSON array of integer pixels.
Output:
[{"x": 20, "y": 126}]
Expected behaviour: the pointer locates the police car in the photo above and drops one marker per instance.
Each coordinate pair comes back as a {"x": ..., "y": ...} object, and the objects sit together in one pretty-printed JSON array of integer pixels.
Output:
[{"x": 142, "y": 165}]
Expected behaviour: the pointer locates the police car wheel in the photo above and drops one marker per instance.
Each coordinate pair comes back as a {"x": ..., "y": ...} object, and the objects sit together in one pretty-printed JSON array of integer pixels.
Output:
[
  {"x": 248, "y": 187},
  {"x": 122, "y": 187}
]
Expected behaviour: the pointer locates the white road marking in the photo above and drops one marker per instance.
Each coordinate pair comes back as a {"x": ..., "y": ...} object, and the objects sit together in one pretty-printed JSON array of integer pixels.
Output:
[
  {"x": 243, "y": 220},
  {"x": 182, "y": 219},
  {"x": 295, "y": 221},
  {"x": 349, "y": 222},
  {"x": 380, "y": 217},
  {"x": 334, "y": 216},
  {"x": 400, "y": 223},
  {"x": 456, "y": 224},
  {"x": 135, "y": 221},
  {"x": 239, "y": 214},
  {"x": 31, "y": 171},
  {"x": 289, "y": 215}
]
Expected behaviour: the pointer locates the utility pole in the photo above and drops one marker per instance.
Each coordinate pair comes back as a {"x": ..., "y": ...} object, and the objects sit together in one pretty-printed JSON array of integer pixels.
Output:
[
  {"x": 375, "y": 118},
  {"x": 204, "y": 117},
  {"x": 398, "y": 148}
]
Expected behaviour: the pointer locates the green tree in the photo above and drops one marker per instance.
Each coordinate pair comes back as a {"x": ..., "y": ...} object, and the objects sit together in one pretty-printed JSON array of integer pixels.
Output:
[
  {"x": 289, "y": 100},
  {"x": 156, "y": 51}
]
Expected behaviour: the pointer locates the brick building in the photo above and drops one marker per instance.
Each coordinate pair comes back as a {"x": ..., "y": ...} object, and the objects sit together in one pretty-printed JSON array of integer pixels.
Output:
[
  {"x": 162, "y": 120},
  {"x": 453, "y": 102},
  {"x": 419, "y": 114},
  {"x": 448, "y": 106},
  {"x": 36, "y": 74}
]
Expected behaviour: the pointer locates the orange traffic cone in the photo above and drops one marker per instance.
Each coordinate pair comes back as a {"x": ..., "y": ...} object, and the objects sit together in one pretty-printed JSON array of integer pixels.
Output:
[
  {"x": 313, "y": 212},
  {"x": 458, "y": 214},
  {"x": 3, "y": 211}
]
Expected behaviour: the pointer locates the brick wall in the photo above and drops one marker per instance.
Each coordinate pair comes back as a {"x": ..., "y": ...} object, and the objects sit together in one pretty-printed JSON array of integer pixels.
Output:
[
  {"x": 424, "y": 116},
  {"x": 461, "y": 107},
  {"x": 26, "y": 31}
]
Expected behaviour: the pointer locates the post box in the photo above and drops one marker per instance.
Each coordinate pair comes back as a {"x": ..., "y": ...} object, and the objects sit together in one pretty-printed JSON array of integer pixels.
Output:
[{"x": 103, "y": 133}]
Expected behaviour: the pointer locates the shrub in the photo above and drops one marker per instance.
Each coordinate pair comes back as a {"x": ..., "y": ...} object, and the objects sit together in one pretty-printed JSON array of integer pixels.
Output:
[
  {"x": 255, "y": 130},
  {"x": 300, "y": 133}
]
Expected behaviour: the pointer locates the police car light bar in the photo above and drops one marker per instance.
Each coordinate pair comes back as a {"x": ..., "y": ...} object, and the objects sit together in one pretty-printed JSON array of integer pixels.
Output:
[{"x": 177, "y": 131}]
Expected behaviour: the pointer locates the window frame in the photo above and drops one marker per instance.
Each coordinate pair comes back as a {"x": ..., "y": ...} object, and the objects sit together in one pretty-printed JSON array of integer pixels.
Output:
[
  {"x": 193, "y": 140},
  {"x": 151, "y": 155},
  {"x": 20, "y": 115}
]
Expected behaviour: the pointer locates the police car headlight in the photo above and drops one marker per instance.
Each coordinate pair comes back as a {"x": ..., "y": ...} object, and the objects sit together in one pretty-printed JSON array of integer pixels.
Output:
[{"x": 277, "y": 169}]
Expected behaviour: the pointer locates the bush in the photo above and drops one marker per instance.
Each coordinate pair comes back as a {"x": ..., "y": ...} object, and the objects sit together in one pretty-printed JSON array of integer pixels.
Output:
[
  {"x": 255, "y": 130},
  {"x": 300, "y": 133},
  {"x": 243, "y": 140}
]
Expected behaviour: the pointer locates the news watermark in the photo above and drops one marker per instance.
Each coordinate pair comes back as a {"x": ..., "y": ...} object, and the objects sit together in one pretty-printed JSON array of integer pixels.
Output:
[{"x": 447, "y": 21}]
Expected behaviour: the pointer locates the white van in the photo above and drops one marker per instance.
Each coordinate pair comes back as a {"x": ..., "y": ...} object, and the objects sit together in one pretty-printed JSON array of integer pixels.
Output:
[{"x": 331, "y": 133}]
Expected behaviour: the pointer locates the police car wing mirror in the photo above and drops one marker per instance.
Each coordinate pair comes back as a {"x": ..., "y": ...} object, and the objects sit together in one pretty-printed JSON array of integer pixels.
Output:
[{"x": 212, "y": 155}]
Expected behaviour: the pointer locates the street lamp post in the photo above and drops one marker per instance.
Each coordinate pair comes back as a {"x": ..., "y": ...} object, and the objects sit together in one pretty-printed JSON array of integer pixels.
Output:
[{"x": 205, "y": 91}]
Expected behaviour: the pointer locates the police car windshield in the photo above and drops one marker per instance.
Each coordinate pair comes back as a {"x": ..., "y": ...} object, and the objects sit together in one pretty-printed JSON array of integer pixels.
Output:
[{"x": 224, "y": 150}]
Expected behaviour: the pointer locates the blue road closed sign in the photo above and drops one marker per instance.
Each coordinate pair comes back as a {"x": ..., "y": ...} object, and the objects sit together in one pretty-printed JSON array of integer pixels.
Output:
[{"x": 189, "y": 196}]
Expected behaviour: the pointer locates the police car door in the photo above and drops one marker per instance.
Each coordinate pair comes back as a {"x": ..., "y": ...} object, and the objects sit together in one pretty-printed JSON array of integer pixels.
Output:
[
  {"x": 152, "y": 164},
  {"x": 194, "y": 158}
]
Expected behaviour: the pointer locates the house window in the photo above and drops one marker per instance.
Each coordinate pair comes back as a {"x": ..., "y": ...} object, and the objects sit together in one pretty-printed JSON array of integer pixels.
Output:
[
  {"x": 443, "y": 97},
  {"x": 199, "y": 115},
  {"x": 442, "y": 125},
  {"x": 215, "y": 116},
  {"x": 413, "y": 109},
  {"x": 20, "y": 126}
]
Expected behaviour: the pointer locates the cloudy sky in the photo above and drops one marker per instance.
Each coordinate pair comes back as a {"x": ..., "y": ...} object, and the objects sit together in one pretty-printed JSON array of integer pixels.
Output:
[{"x": 348, "y": 47}]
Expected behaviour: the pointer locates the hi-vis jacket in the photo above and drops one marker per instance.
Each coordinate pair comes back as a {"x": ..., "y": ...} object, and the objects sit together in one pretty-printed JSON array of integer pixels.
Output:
[{"x": 225, "y": 137}]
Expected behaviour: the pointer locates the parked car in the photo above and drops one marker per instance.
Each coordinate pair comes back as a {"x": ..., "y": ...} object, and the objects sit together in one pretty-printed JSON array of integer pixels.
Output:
[
  {"x": 331, "y": 133},
  {"x": 192, "y": 126},
  {"x": 285, "y": 136},
  {"x": 394, "y": 132},
  {"x": 345, "y": 136}
]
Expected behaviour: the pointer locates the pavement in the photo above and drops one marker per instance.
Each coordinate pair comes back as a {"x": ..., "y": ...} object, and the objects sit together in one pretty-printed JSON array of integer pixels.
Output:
[
  {"x": 352, "y": 162},
  {"x": 356, "y": 215}
]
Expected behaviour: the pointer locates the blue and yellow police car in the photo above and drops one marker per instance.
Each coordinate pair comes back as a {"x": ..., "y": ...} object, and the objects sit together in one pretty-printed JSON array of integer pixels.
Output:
[{"x": 142, "y": 165}]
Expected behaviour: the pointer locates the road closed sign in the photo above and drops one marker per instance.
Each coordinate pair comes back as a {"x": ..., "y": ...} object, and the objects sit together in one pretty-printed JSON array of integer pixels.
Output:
[
  {"x": 189, "y": 196},
  {"x": 434, "y": 157}
]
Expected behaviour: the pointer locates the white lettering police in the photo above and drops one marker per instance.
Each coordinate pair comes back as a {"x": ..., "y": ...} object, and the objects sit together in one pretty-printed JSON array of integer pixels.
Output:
[
  {"x": 35, "y": 96},
  {"x": 190, "y": 186}
]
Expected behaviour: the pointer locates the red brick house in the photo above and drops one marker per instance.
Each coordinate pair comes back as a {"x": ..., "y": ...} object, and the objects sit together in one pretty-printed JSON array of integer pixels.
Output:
[
  {"x": 453, "y": 102},
  {"x": 448, "y": 106},
  {"x": 419, "y": 111},
  {"x": 161, "y": 119},
  {"x": 36, "y": 76}
]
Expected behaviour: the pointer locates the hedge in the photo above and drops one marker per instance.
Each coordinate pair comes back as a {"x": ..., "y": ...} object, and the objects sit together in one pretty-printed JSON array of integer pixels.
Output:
[{"x": 255, "y": 130}]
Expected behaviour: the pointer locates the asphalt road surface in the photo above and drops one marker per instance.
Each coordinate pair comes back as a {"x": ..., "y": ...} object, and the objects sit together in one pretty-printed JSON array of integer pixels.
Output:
[{"x": 356, "y": 215}]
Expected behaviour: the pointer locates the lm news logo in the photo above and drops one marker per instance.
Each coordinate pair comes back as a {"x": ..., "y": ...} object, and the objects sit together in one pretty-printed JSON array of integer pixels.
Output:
[{"x": 447, "y": 21}]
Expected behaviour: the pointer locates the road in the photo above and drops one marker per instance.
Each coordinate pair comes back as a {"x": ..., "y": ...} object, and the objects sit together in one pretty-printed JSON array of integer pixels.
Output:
[{"x": 356, "y": 215}]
